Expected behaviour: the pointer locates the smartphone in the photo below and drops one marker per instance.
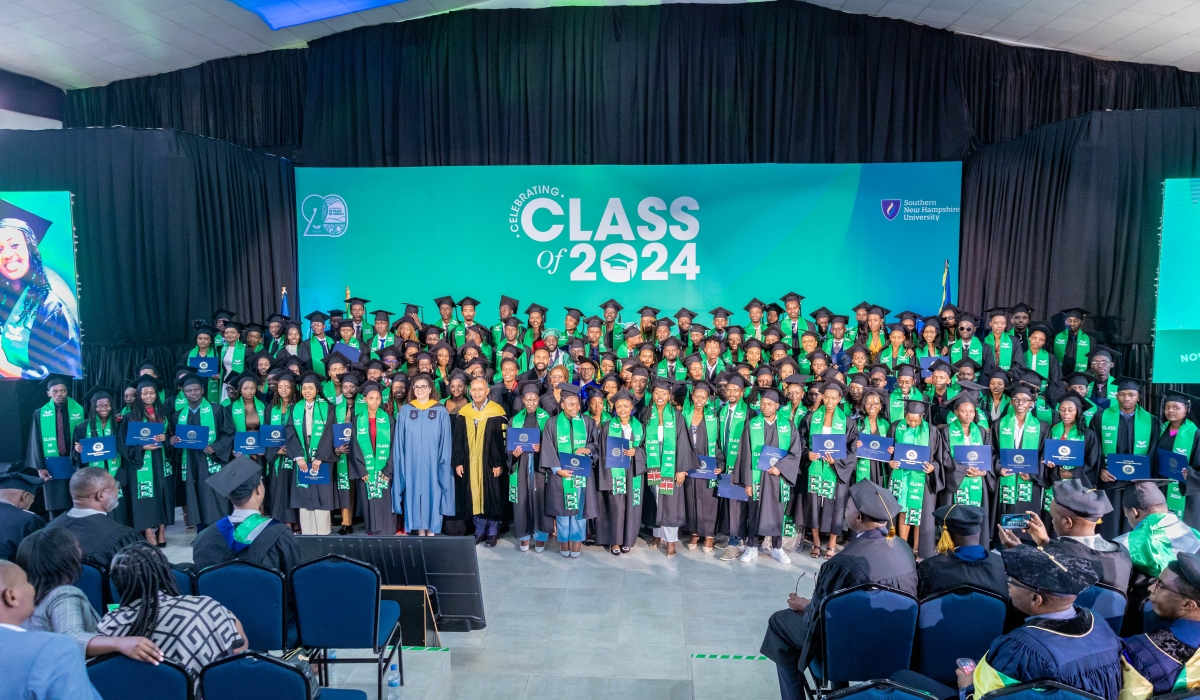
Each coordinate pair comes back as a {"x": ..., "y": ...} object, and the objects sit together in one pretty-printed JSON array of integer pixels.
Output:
[
  {"x": 1014, "y": 521},
  {"x": 967, "y": 666}
]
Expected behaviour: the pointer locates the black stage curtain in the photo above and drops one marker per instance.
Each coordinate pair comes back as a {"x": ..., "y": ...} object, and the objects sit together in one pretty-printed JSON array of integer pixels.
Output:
[{"x": 169, "y": 227}]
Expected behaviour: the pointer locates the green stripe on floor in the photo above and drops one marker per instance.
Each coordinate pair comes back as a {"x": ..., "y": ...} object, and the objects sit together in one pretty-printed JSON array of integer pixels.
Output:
[
  {"x": 735, "y": 657},
  {"x": 425, "y": 648}
]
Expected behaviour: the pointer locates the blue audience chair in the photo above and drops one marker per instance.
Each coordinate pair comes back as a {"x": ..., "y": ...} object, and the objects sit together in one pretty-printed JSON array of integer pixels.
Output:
[
  {"x": 255, "y": 594},
  {"x": 93, "y": 580},
  {"x": 118, "y": 677},
  {"x": 1105, "y": 602},
  {"x": 953, "y": 624},
  {"x": 338, "y": 607},
  {"x": 184, "y": 579},
  {"x": 253, "y": 676},
  {"x": 879, "y": 689},
  {"x": 1040, "y": 690},
  {"x": 844, "y": 617}
]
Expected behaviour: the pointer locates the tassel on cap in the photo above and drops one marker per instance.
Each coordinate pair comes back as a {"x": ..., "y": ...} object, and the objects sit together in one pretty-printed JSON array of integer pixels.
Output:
[
  {"x": 891, "y": 524},
  {"x": 945, "y": 543}
]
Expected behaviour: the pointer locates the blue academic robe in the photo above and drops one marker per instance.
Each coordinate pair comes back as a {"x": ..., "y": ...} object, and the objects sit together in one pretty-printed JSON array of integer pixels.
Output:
[
  {"x": 422, "y": 476},
  {"x": 1160, "y": 655}
]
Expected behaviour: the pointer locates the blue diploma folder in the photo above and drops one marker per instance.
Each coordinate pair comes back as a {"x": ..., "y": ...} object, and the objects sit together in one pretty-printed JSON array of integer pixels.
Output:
[
  {"x": 322, "y": 477},
  {"x": 727, "y": 489},
  {"x": 347, "y": 351},
  {"x": 273, "y": 435},
  {"x": 911, "y": 456},
  {"x": 926, "y": 362},
  {"x": 875, "y": 447},
  {"x": 60, "y": 467},
  {"x": 1064, "y": 453},
  {"x": 580, "y": 464},
  {"x": 977, "y": 456},
  {"x": 342, "y": 432},
  {"x": 191, "y": 437},
  {"x": 768, "y": 457},
  {"x": 1020, "y": 461},
  {"x": 525, "y": 438},
  {"x": 98, "y": 449},
  {"x": 707, "y": 470},
  {"x": 143, "y": 433},
  {"x": 205, "y": 366},
  {"x": 833, "y": 444},
  {"x": 248, "y": 443},
  {"x": 1171, "y": 465},
  {"x": 1128, "y": 467},
  {"x": 616, "y": 459}
]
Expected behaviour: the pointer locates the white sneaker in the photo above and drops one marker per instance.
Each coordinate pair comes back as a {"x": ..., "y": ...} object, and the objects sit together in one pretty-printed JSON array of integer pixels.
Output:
[
  {"x": 779, "y": 556},
  {"x": 750, "y": 554}
]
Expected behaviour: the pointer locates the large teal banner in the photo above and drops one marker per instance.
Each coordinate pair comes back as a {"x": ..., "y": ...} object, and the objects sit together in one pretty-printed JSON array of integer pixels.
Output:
[
  {"x": 1176, "y": 325},
  {"x": 669, "y": 236}
]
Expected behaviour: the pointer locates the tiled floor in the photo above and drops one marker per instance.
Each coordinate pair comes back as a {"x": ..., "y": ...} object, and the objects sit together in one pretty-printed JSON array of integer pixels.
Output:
[{"x": 601, "y": 626}]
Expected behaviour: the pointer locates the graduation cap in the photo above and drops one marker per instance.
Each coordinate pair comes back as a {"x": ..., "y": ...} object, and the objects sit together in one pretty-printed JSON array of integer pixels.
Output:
[
  {"x": 769, "y": 394},
  {"x": 916, "y": 407},
  {"x": 370, "y": 386},
  {"x": 623, "y": 395},
  {"x": 242, "y": 471},
  {"x": 1176, "y": 397},
  {"x": 734, "y": 330},
  {"x": 1081, "y": 499},
  {"x": 879, "y": 311},
  {"x": 278, "y": 318},
  {"x": 791, "y": 296},
  {"x": 902, "y": 371},
  {"x": 685, "y": 313},
  {"x": 382, "y": 315},
  {"x": 510, "y": 321},
  {"x": 821, "y": 313},
  {"x": 763, "y": 370},
  {"x": 940, "y": 364},
  {"x": 444, "y": 301},
  {"x": 511, "y": 303},
  {"x": 844, "y": 320},
  {"x": 1048, "y": 569},
  {"x": 951, "y": 308},
  {"x": 573, "y": 313},
  {"x": 536, "y": 307},
  {"x": 16, "y": 475},
  {"x": 861, "y": 306},
  {"x": 664, "y": 322},
  {"x": 1187, "y": 565},
  {"x": 148, "y": 380},
  {"x": 204, "y": 329},
  {"x": 959, "y": 519},
  {"x": 412, "y": 310},
  {"x": 334, "y": 314},
  {"x": 648, "y": 312},
  {"x": 755, "y": 302},
  {"x": 996, "y": 311},
  {"x": 336, "y": 358},
  {"x": 692, "y": 359},
  {"x": 968, "y": 317},
  {"x": 1079, "y": 379},
  {"x": 897, "y": 328},
  {"x": 96, "y": 393},
  {"x": 1075, "y": 312},
  {"x": 968, "y": 362},
  {"x": 568, "y": 389},
  {"x": 697, "y": 328},
  {"x": 860, "y": 378},
  {"x": 1081, "y": 404},
  {"x": 1129, "y": 384},
  {"x": 776, "y": 308},
  {"x": 1021, "y": 388},
  {"x": 963, "y": 397},
  {"x": 594, "y": 322},
  {"x": 637, "y": 369},
  {"x": 611, "y": 304},
  {"x": 56, "y": 379},
  {"x": 816, "y": 355},
  {"x": 225, "y": 314},
  {"x": 735, "y": 379},
  {"x": 233, "y": 325},
  {"x": 12, "y": 216},
  {"x": 721, "y": 312},
  {"x": 909, "y": 316},
  {"x": 1021, "y": 307},
  {"x": 468, "y": 301},
  {"x": 633, "y": 330},
  {"x": 253, "y": 328},
  {"x": 513, "y": 350},
  {"x": 318, "y": 317},
  {"x": 672, "y": 341},
  {"x": 835, "y": 385},
  {"x": 751, "y": 343},
  {"x": 1108, "y": 352},
  {"x": 932, "y": 321},
  {"x": 874, "y": 501},
  {"x": 1043, "y": 327}
]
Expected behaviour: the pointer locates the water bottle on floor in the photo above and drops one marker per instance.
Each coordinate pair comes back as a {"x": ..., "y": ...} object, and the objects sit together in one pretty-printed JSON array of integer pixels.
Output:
[
  {"x": 393, "y": 683},
  {"x": 333, "y": 674}
]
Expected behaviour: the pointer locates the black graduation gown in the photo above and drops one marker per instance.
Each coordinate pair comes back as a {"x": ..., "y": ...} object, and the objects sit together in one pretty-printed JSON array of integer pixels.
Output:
[
  {"x": 1190, "y": 488},
  {"x": 764, "y": 517},
  {"x": 304, "y": 350},
  {"x": 279, "y": 478},
  {"x": 663, "y": 509},
  {"x": 943, "y": 572},
  {"x": 144, "y": 512},
  {"x": 1038, "y": 481},
  {"x": 55, "y": 492},
  {"x": 274, "y": 547},
  {"x": 794, "y": 638},
  {"x": 204, "y": 505},
  {"x": 1111, "y": 527},
  {"x": 1092, "y": 458},
  {"x": 16, "y": 525},
  {"x": 99, "y": 537},
  {"x": 935, "y": 483},
  {"x": 826, "y": 515},
  {"x": 119, "y": 514},
  {"x": 555, "y": 504},
  {"x": 510, "y": 399},
  {"x": 881, "y": 473},
  {"x": 311, "y": 496},
  {"x": 378, "y": 517},
  {"x": 529, "y": 512},
  {"x": 548, "y": 403},
  {"x": 327, "y": 455},
  {"x": 1113, "y": 567},
  {"x": 958, "y": 473},
  {"x": 617, "y": 519},
  {"x": 495, "y": 488},
  {"x": 700, "y": 495}
]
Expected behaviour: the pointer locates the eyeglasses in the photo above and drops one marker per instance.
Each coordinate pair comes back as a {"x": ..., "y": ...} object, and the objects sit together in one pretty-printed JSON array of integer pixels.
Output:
[
  {"x": 1157, "y": 583},
  {"x": 1013, "y": 582}
]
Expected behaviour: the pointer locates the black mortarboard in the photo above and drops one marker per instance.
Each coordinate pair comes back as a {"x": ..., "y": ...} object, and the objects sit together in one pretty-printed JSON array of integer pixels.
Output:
[
  {"x": 1021, "y": 307},
  {"x": 1079, "y": 378},
  {"x": 189, "y": 379},
  {"x": 648, "y": 311},
  {"x": 234, "y": 325},
  {"x": 838, "y": 318},
  {"x": 512, "y": 321},
  {"x": 932, "y": 321},
  {"x": 775, "y": 307},
  {"x": 357, "y": 300},
  {"x": 821, "y": 313},
  {"x": 1074, "y": 312},
  {"x": 940, "y": 364},
  {"x": 623, "y": 395},
  {"x": 763, "y": 369},
  {"x": 611, "y": 303},
  {"x": 511, "y": 303},
  {"x": 862, "y": 379},
  {"x": 536, "y": 307},
  {"x": 769, "y": 394},
  {"x": 663, "y": 383},
  {"x": 735, "y": 330},
  {"x": 835, "y": 385},
  {"x": 1081, "y": 404},
  {"x": 1188, "y": 565},
  {"x": 1081, "y": 499},
  {"x": 412, "y": 310},
  {"x": 335, "y": 314},
  {"x": 874, "y": 501},
  {"x": 672, "y": 340},
  {"x": 530, "y": 388},
  {"x": 223, "y": 314},
  {"x": 1176, "y": 397},
  {"x": 721, "y": 312},
  {"x": 664, "y": 322},
  {"x": 206, "y": 330},
  {"x": 368, "y": 387},
  {"x": 513, "y": 350},
  {"x": 97, "y": 392},
  {"x": 816, "y": 355},
  {"x": 242, "y": 470},
  {"x": 1143, "y": 495},
  {"x": 959, "y": 519},
  {"x": 253, "y": 328},
  {"x": 791, "y": 296},
  {"x": 54, "y": 380},
  {"x": 381, "y": 315},
  {"x": 753, "y": 303},
  {"x": 148, "y": 380},
  {"x": 468, "y": 301},
  {"x": 878, "y": 311},
  {"x": 1103, "y": 350},
  {"x": 968, "y": 362},
  {"x": 568, "y": 389},
  {"x": 16, "y": 475},
  {"x": 1129, "y": 384},
  {"x": 909, "y": 315},
  {"x": 996, "y": 311},
  {"x": 444, "y": 301},
  {"x": 917, "y": 408},
  {"x": 861, "y": 306},
  {"x": 685, "y": 313},
  {"x": 595, "y": 322},
  {"x": 697, "y": 328},
  {"x": 632, "y": 330},
  {"x": 963, "y": 397},
  {"x": 897, "y": 328},
  {"x": 968, "y": 317},
  {"x": 338, "y": 358},
  {"x": 1048, "y": 569},
  {"x": 574, "y": 313},
  {"x": 12, "y": 216},
  {"x": 1021, "y": 388},
  {"x": 735, "y": 378},
  {"x": 318, "y": 316},
  {"x": 1041, "y": 326},
  {"x": 273, "y": 318}
]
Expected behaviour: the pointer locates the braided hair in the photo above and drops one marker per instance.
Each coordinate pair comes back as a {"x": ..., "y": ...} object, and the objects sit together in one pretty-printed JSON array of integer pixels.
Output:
[
  {"x": 140, "y": 571},
  {"x": 35, "y": 280}
]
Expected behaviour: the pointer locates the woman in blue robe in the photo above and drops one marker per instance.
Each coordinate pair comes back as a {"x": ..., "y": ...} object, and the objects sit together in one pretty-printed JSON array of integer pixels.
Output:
[{"x": 422, "y": 476}]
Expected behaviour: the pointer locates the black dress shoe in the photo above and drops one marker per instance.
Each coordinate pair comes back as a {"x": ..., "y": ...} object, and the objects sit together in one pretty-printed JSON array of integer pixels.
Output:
[
  {"x": 479, "y": 539},
  {"x": 345, "y": 530},
  {"x": 491, "y": 541}
]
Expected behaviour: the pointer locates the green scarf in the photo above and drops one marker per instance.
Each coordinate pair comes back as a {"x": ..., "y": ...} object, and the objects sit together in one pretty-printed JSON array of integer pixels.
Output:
[
  {"x": 1110, "y": 422},
  {"x": 239, "y": 359},
  {"x": 208, "y": 420},
  {"x": 712, "y": 428},
  {"x": 244, "y": 533},
  {"x": 1004, "y": 360},
  {"x": 238, "y": 410},
  {"x": 757, "y": 438},
  {"x": 638, "y": 434},
  {"x": 1184, "y": 439},
  {"x": 1150, "y": 546},
  {"x": 974, "y": 350},
  {"x": 660, "y": 456},
  {"x": 1039, "y": 363},
  {"x": 862, "y": 470},
  {"x": 908, "y": 485},
  {"x": 317, "y": 353},
  {"x": 112, "y": 465},
  {"x": 213, "y": 384},
  {"x": 970, "y": 491},
  {"x": 733, "y": 422},
  {"x": 343, "y": 466},
  {"x": 519, "y": 422},
  {"x": 47, "y": 421},
  {"x": 375, "y": 457},
  {"x": 1012, "y": 488},
  {"x": 680, "y": 370},
  {"x": 1083, "y": 345},
  {"x": 280, "y": 462},
  {"x": 897, "y": 400},
  {"x": 569, "y": 433},
  {"x": 822, "y": 480},
  {"x": 309, "y": 446}
]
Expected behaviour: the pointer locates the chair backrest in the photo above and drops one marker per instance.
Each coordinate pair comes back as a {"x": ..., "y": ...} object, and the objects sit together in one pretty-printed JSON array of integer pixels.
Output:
[
  {"x": 885, "y": 613},
  {"x": 93, "y": 579},
  {"x": 1040, "y": 690},
  {"x": 961, "y": 622},
  {"x": 252, "y": 676},
  {"x": 879, "y": 689},
  {"x": 1106, "y": 603},
  {"x": 255, "y": 594},
  {"x": 337, "y": 603},
  {"x": 118, "y": 677},
  {"x": 185, "y": 579}
]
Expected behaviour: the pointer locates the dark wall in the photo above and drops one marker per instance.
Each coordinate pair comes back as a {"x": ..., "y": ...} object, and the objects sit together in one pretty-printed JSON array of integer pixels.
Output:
[{"x": 20, "y": 93}]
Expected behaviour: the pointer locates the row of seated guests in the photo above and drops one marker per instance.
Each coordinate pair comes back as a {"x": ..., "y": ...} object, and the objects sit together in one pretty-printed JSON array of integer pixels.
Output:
[{"x": 1040, "y": 576}]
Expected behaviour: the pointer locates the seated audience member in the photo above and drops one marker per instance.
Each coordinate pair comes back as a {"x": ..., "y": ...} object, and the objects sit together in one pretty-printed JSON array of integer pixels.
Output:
[
  {"x": 93, "y": 496},
  {"x": 1156, "y": 663},
  {"x": 961, "y": 560},
  {"x": 246, "y": 534},
  {"x": 1157, "y": 534},
  {"x": 41, "y": 665},
  {"x": 190, "y": 630},
  {"x": 875, "y": 555},
  {"x": 51, "y": 560},
  {"x": 18, "y": 487}
]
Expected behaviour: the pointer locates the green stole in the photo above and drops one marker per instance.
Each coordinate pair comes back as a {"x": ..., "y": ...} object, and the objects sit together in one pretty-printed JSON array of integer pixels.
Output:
[
  {"x": 1004, "y": 361},
  {"x": 822, "y": 480},
  {"x": 660, "y": 456},
  {"x": 569, "y": 432},
  {"x": 112, "y": 465},
  {"x": 309, "y": 446},
  {"x": 317, "y": 354},
  {"x": 925, "y": 351},
  {"x": 343, "y": 467},
  {"x": 1110, "y": 389},
  {"x": 47, "y": 422},
  {"x": 712, "y": 428},
  {"x": 1040, "y": 363},
  {"x": 637, "y": 435},
  {"x": 281, "y": 462},
  {"x": 518, "y": 421},
  {"x": 862, "y": 470},
  {"x": 757, "y": 438},
  {"x": 792, "y": 413},
  {"x": 1012, "y": 488},
  {"x": 208, "y": 420},
  {"x": 239, "y": 359},
  {"x": 733, "y": 422},
  {"x": 1075, "y": 434},
  {"x": 886, "y": 356},
  {"x": 988, "y": 401},
  {"x": 974, "y": 350},
  {"x": 908, "y": 485},
  {"x": 375, "y": 457},
  {"x": 1109, "y": 427},
  {"x": 897, "y": 400},
  {"x": 1184, "y": 439},
  {"x": 970, "y": 491},
  {"x": 1083, "y": 345},
  {"x": 680, "y": 370},
  {"x": 213, "y": 388},
  {"x": 237, "y": 411},
  {"x": 389, "y": 339}
]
